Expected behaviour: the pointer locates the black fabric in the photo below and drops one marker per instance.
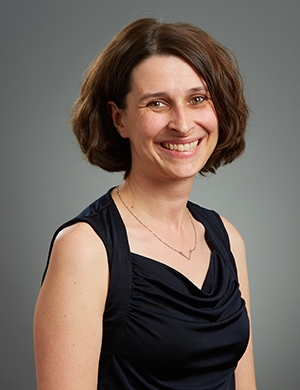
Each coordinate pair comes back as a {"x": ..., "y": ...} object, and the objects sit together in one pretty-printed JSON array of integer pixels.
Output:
[{"x": 160, "y": 331}]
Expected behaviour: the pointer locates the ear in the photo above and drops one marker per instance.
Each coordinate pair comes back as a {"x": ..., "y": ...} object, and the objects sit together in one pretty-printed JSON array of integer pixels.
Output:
[{"x": 117, "y": 116}]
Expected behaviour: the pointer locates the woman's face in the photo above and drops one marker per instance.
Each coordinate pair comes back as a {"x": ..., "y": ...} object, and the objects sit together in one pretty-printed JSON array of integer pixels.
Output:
[{"x": 169, "y": 119}]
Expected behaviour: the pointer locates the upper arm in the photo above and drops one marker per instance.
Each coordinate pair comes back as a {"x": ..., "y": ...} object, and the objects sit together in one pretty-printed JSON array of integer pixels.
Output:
[
  {"x": 245, "y": 371},
  {"x": 69, "y": 310}
]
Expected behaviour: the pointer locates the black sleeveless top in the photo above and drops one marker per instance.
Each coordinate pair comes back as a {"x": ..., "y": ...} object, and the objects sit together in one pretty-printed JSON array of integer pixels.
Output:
[{"x": 160, "y": 331}]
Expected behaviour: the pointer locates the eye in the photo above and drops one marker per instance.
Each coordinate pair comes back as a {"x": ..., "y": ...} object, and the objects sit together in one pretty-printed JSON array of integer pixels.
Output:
[
  {"x": 198, "y": 100},
  {"x": 156, "y": 104}
]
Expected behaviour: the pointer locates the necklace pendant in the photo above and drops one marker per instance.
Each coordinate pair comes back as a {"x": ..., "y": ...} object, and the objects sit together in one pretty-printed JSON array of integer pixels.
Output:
[{"x": 187, "y": 257}]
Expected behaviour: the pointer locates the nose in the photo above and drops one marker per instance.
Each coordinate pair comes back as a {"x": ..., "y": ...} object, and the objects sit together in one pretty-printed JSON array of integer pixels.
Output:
[{"x": 181, "y": 120}]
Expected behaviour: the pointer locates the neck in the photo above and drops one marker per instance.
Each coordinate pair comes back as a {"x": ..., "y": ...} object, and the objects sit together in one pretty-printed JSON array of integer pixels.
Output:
[
  {"x": 164, "y": 201},
  {"x": 191, "y": 250}
]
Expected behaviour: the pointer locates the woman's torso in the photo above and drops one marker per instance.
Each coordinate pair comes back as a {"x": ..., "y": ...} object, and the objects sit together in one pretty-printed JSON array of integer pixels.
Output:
[{"x": 161, "y": 331}]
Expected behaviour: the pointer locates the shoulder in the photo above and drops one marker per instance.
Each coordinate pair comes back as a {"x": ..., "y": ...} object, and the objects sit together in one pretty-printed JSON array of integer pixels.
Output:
[
  {"x": 78, "y": 257},
  {"x": 238, "y": 250},
  {"x": 78, "y": 246},
  {"x": 237, "y": 244},
  {"x": 79, "y": 236}
]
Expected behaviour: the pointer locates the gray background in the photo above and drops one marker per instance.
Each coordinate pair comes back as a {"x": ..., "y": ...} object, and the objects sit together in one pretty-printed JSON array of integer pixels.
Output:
[{"x": 45, "y": 48}]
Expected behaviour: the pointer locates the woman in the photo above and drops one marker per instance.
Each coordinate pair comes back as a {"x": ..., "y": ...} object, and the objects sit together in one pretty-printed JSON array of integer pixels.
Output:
[{"x": 144, "y": 289}]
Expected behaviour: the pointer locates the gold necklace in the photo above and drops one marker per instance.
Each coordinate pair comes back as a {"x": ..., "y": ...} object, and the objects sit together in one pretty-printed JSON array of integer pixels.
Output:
[{"x": 155, "y": 235}]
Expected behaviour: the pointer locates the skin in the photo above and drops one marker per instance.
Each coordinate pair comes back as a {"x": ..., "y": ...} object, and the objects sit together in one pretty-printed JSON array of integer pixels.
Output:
[{"x": 168, "y": 104}]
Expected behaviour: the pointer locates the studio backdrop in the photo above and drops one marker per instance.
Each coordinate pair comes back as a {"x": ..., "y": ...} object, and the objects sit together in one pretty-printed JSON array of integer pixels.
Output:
[{"x": 45, "y": 48}]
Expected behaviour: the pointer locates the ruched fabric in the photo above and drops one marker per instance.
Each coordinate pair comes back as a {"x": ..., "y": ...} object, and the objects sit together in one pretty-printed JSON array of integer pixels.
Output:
[{"x": 160, "y": 331}]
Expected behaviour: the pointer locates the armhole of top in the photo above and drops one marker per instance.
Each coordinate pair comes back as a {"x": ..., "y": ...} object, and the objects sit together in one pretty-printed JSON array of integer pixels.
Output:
[{"x": 216, "y": 232}]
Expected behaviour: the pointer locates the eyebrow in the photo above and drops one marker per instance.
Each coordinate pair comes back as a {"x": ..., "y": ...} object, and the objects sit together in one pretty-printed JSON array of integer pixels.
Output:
[{"x": 160, "y": 94}]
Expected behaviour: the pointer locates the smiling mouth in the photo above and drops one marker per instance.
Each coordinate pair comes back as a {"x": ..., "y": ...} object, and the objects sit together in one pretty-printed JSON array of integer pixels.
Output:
[{"x": 181, "y": 147}]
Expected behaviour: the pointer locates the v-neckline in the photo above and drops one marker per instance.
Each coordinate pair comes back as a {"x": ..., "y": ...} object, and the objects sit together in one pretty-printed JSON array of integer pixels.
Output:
[{"x": 206, "y": 234}]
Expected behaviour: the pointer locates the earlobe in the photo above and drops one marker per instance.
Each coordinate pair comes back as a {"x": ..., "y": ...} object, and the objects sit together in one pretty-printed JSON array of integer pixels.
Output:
[{"x": 117, "y": 117}]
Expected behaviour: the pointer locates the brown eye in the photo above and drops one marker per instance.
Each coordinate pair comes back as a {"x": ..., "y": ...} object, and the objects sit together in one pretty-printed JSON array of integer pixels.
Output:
[
  {"x": 198, "y": 100},
  {"x": 156, "y": 104}
]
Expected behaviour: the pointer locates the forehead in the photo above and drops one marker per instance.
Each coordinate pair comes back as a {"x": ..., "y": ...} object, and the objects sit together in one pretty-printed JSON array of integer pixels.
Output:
[{"x": 160, "y": 71}]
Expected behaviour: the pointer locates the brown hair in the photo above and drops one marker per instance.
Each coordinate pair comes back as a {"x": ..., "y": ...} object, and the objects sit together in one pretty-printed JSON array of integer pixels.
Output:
[{"x": 108, "y": 79}]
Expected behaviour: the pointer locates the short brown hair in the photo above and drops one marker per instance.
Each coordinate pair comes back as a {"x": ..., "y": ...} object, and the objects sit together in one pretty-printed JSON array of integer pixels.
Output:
[{"x": 108, "y": 79}]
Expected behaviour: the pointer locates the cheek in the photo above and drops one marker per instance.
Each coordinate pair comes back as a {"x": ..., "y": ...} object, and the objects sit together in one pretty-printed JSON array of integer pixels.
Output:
[
  {"x": 211, "y": 116},
  {"x": 212, "y": 122},
  {"x": 151, "y": 125}
]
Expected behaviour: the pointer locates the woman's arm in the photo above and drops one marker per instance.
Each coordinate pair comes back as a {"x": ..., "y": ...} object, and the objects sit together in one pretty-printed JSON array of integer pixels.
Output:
[
  {"x": 245, "y": 371},
  {"x": 69, "y": 310}
]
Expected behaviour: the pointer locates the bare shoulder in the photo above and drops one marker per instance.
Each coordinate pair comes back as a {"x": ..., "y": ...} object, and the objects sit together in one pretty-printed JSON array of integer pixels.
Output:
[
  {"x": 235, "y": 238},
  {"x": 237, "y": 244},
  {"x": 79, "y": 236},
  {"x": 78, "y": 254},
  {"x": 238, "y": 250},
  {"x": 76, "y": 249}
]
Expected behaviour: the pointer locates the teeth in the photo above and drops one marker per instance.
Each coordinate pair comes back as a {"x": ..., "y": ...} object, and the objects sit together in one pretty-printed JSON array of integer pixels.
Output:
[{"x": 181, "y": 147}]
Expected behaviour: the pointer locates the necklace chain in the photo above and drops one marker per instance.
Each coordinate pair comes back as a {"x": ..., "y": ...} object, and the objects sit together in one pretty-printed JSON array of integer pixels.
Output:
[{"x": 188, "y": 257}]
